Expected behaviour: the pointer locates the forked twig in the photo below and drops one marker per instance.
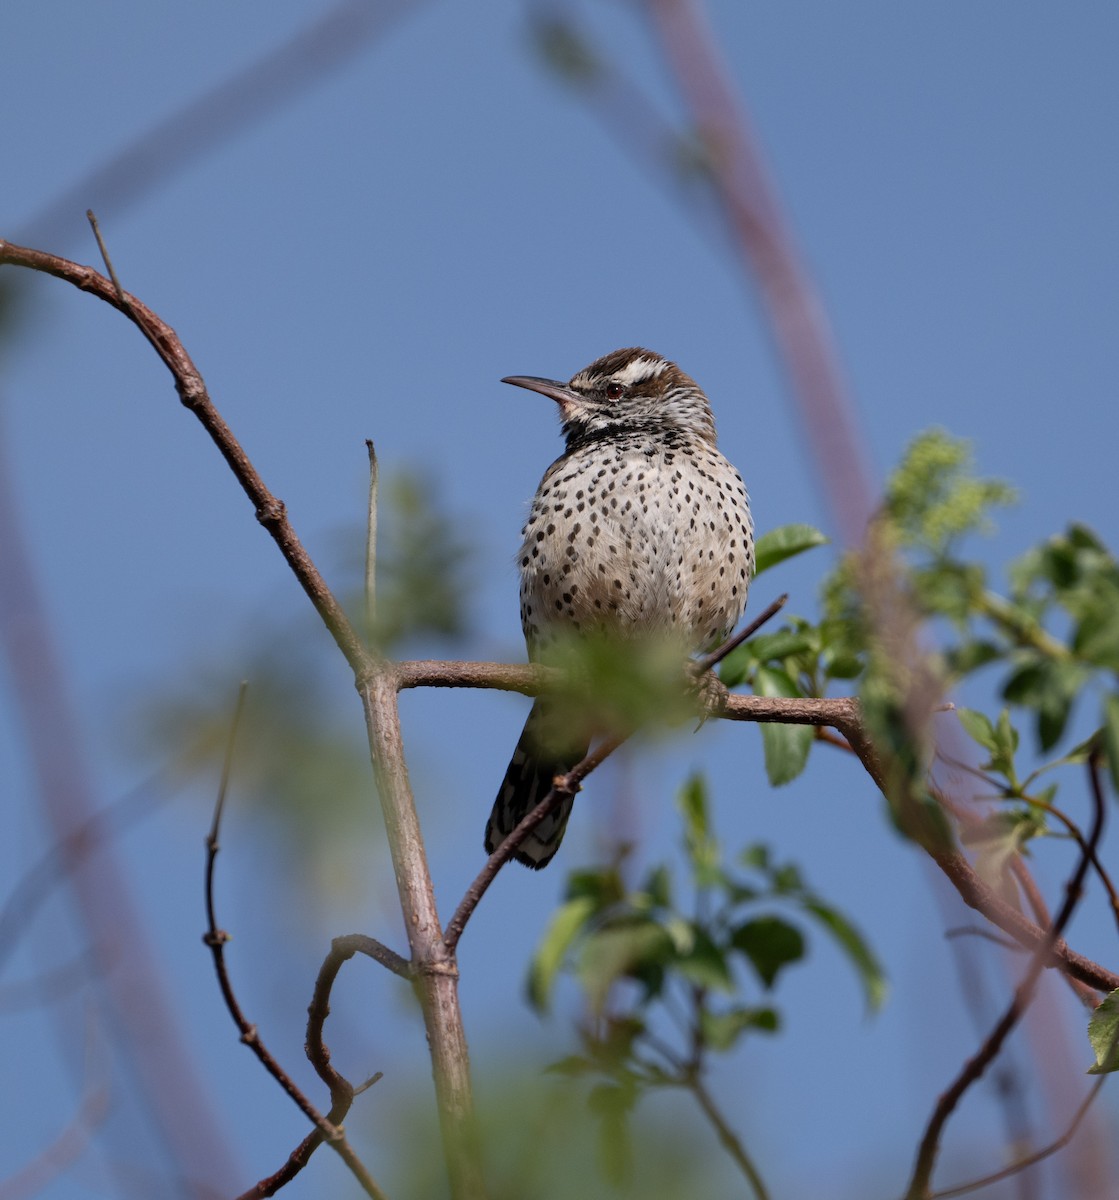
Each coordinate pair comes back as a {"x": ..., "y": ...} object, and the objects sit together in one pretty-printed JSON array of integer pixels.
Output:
[
  {"x": 1030, "y": 1159},
  {"x": 216, "y": 938},
  {"x": 927, "y": 1151}
]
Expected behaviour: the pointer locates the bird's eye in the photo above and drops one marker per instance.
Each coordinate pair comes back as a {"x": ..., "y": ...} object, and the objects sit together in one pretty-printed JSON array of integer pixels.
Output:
[{"x": 614, "y": 391}]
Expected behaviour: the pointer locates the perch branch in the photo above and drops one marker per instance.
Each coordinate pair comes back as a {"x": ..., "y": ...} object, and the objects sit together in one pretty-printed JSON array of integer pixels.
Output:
[
  {"x": 436, "y": 974},
  {"x": 563, "y": 786}
]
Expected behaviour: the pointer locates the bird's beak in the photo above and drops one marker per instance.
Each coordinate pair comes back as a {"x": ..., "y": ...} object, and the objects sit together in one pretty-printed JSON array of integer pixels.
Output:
[{"x": 559, "y": 392}]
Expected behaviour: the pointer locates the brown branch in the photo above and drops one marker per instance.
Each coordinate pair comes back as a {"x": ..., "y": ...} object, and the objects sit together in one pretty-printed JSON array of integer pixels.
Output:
[
  {"x": 1030, "y": 1159},
  {"x": 563, "y": 786},
  {"x": 216, "y": 939},
  {"x": 927, "y": 1151},
  {"x": 842, "y": 714},
  {"x": 436, "y": 973},
  {"x": 703, "y": 665},
  {"x": 433, "y": 965},
  {"x": 342, "y": 1092},
  {"x": 972, "y": 889},
  {"x": 270, "y": 511}
]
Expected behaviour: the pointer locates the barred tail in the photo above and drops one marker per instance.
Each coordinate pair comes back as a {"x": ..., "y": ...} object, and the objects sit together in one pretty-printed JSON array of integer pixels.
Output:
[{"x": 540, "y": 756}]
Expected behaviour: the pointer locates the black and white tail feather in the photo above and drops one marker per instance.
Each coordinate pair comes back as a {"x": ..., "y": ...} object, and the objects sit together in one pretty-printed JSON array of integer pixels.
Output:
[{"x": 536, "y": 761}]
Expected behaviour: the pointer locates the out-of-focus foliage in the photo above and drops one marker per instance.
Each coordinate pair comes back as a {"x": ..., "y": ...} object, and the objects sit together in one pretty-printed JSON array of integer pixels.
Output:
[
  {"x": 669, "y": 981},
  {"x": 666, "y": 984},
  {"x": 912, "y": 616},
  {"x": 423, "y": 586},
  {"x": 544, "y": 1140},
  {"x": 302, "y": 764}
]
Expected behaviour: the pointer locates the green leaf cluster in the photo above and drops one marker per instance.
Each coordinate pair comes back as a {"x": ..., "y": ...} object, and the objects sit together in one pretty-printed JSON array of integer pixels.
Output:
[
  {"x": 912, "y": 616},
  {"x": 645, "y": 961}
]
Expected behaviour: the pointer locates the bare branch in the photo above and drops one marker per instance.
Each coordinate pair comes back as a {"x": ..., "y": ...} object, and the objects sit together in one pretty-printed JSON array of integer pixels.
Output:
[
  {"x": 1023, "y": 994},
  {"x": 713, "y": 659},
  {"x": 436, "y": 973},
  {"x": 1030, "y": 1159},
  {"x": 371, "y": 544},
  {"x": 563, "y": 786},
  {"x": 216, "y": 939},
  {"x": 270, "y": 511}
]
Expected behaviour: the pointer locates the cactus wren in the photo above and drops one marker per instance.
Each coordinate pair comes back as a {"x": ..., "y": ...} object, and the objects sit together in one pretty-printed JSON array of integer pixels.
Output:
[{"x": 640, "y": 527}]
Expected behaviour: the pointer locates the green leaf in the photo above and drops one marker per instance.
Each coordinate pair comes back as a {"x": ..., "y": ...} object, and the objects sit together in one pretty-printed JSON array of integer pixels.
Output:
[
  {"x": 857, "y": 949},
  {"x": 700, "y": 843},
  {"x": 768, "y": 647},
  {"x": 1103, "y": 1034},
  {"x": 785, "y": 542},
  {"x": 770, "y": 944},
  {"x": 602, "y": 885},
  {"x": 978, "y": 727},
  {"x": 786, "y": 746},
  {"x": 571, "y": 1066},
  {"x": 971, "y": 655},
  {"x": 721, "y": 1030},
  {"x": 567, "y": 922},
  {"x": 637, "y": 949},
  {"x": 658, "y": 887},
  {"x": 842, "y": 664},
  {"x": 705, "y": 964},
  {"x": 1000, "y": 839},
  {"x": 1111, "y": 736},
  {"x": 755, "y": 856}
]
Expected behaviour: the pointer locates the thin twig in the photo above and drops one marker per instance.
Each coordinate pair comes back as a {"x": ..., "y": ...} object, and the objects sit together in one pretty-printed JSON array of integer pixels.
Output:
[
  {"x": 961, "y": 931},
  {"x": 927, "y": 1151},
  {"x": 1030, "y": 1159},
  {"x": 371, "y": 545},
  {"x": 729, "y": 1139},
  {"x": 342, "y": 1092},
  {"x": 92, "y": 219},
  {"x": 436, "y": 973},
  {"x": 703, "y": 665},
  {"x": 216, "y": 939},
  {"x": 563, "y": 786}
]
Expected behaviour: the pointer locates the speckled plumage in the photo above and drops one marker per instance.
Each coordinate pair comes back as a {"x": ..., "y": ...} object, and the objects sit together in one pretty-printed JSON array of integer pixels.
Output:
[{"x": 640, "y": 527}]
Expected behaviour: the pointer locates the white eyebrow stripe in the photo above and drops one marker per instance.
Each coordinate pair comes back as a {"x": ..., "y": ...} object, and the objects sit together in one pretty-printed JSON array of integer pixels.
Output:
[{"x": 638, "y": 370}]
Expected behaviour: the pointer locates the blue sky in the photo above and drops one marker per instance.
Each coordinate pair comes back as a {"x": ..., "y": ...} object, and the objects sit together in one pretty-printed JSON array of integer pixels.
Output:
[{"x": 367, "y": 261}]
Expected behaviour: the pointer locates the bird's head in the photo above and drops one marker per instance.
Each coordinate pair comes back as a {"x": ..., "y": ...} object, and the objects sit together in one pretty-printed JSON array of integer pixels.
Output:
[{"x": 628, "y": 391}]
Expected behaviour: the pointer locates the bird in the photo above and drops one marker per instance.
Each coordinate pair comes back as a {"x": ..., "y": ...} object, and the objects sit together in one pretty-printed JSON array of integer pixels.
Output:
[{"x": 640, "y": 528}]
